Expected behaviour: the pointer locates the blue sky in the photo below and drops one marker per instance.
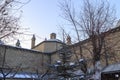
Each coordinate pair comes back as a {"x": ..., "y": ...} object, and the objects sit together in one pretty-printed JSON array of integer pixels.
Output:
[{"x": 43, "y": 17}]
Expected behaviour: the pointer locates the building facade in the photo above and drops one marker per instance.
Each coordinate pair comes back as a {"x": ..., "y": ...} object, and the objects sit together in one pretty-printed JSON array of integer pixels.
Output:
[
  {"x": 29, "y": 62},
  {"x": 37, "y": 60}
]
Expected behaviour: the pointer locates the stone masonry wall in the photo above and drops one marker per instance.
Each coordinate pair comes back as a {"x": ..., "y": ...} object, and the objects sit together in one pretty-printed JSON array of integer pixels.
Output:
[{"x": 22, "y": 59}]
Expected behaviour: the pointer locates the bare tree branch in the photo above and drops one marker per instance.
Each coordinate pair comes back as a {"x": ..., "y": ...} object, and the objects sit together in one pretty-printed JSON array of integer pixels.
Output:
[{"x": 95, "y": 18}]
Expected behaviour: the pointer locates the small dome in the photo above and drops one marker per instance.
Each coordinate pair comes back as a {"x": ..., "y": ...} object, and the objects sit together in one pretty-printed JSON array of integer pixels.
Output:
[{"x": 52, "y": 36}]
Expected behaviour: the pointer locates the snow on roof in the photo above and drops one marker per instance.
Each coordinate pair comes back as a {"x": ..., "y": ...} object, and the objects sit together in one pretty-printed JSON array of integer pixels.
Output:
[
  {"x": 20, "y": 75},
  {"x": 78, "y": 72},
  {"x": 112, "y": 68},
  {"x": 56, "y": 40}
]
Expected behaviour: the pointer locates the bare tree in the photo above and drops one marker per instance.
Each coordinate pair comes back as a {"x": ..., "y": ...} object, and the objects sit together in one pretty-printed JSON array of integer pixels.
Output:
[
  {"x": 94, "y": 20},
  {"x": 9, "y": 23}
]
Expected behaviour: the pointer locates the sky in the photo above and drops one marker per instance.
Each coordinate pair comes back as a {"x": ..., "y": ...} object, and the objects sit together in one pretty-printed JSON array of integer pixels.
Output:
[{"x": 42, "y": 17}]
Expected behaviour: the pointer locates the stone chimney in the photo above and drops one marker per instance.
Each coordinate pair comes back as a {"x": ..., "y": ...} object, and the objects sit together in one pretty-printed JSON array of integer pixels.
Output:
[
  {"x": 68, "y": 40},
  {"x": 52, "y": 36},
  {"x": 33, "y": 41},
  {"x": 18, "y": 43}
]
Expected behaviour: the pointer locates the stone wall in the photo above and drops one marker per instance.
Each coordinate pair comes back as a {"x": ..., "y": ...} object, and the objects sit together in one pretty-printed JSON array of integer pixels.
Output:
[
  {"x": 24, "y": 60},
  {"x": 48, "y": 46},
  {"x": 112, "y": 44}
]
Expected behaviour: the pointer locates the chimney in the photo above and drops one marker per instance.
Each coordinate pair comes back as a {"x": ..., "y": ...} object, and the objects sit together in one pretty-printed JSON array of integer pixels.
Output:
[
  {"x": 33, "y": 41},
  {"x": 68, "y": 40},
  {"x": 52, "y": 36},
  {"x": 18, "y": 43}
]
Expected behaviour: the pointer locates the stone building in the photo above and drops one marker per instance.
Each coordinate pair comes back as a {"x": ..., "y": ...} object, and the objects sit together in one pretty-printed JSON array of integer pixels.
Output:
[
  {"x": 37, "y": 60},
  {"x": 29, "y": 62},
  {"x": 50, "y": 45},
  {"x": 111, "y": 43},
  {"x": 110, "y": 54}
]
